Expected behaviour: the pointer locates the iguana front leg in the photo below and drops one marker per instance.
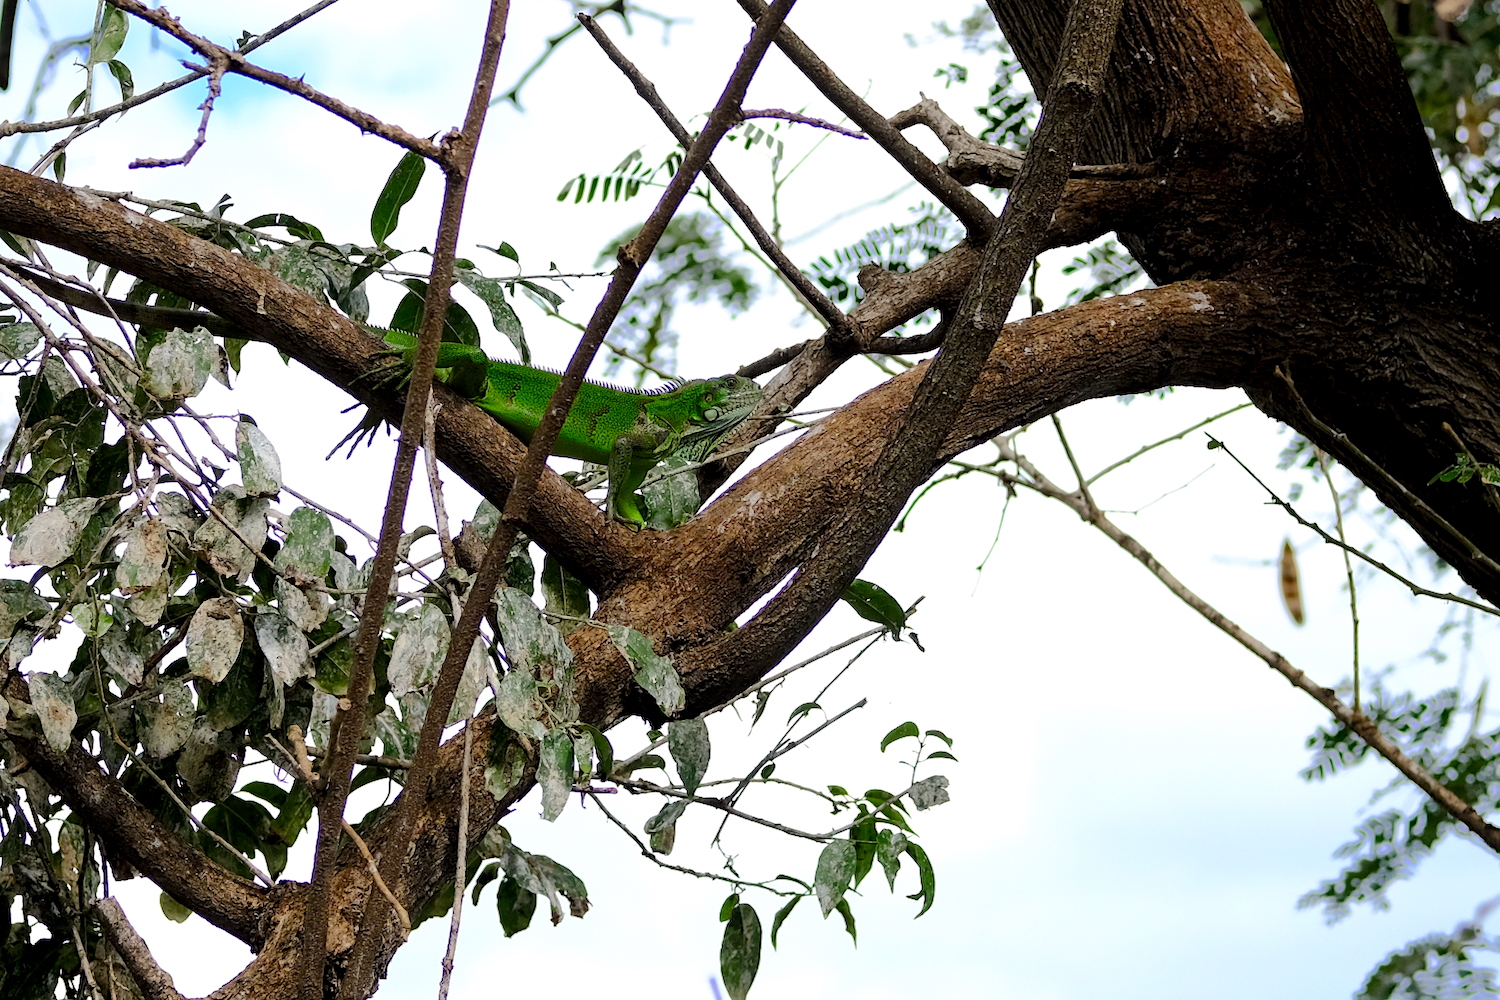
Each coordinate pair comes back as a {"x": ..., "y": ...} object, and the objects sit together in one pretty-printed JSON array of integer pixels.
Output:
[{"x": 631, "y": 457}]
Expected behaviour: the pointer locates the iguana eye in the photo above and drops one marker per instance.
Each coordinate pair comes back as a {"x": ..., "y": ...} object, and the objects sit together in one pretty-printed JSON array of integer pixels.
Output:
[{"x": 711, "y": 414}]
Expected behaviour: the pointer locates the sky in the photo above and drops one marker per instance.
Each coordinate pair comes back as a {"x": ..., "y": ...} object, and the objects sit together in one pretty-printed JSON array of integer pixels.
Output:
[{"x": 1127, "y": 817}]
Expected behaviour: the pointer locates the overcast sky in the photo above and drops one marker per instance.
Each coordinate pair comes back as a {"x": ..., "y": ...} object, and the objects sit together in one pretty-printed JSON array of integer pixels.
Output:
[{"x": 1127, "y": 817}]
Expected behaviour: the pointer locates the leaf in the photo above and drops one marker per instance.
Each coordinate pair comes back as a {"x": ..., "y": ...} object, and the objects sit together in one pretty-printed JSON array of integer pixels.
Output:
[
  {"x": 308, "y": 552},
  {"x": 662, "y": 828},
  {"x": 284, "y": 646},
  {"x": 602, "y": 749},
  {"x": 862, "y": 836},
  {"x": 939, "y": 734},
  {"x": 726, "y": 909},
  {"x": 179, "y": 366},
  {"x": 930, "y": 792},
  {"x": 501, "y": 778},
  {"x": 19, "y": 602},
  {"x": 214, "y": 638},
  {"x": 399, "y": 189},
  {"x": 516, "y": 904},
  {"x": 223, "y": 549},
  {"x": 492, "y": 293},
  {"x": 546, "y": 877},
  {"x": 739, "y": 953},
  {"x": 421, "y": 643},
  {"x": 871, "y": 602},
  {"x": 924, "y": 869},
  {"x": 900, "y": 732},
  {"x": 688, "y": 743},
  {"x": 53, "y": 701},
  {"x": 554, "y": 771},
  {"x": 123, "y": 77},
  {"x": 516, "y": 701},
  {"x": 536, "y": 648},
  {"x": 209, "y": 763},
  {"x": 260, "y": 466},
  {"x": 17, "y": 340},
  {"x": 835, "y": 870},
  {"x": 564, "y": 594},
  {"x": 888, "y": 849},
  {"x": 781, "y": 916},
  {"x": 653, "y": 673},
  {"x": 848, "y": 916},
  {"x": 50, "y": 537},
  {"x": 170, "y": 908},
  {"x": 671, "y": 500},
  {"x": 113, "y": 27},
  {"x": 166, "y": 724},
  {"x": 144, "y": 561}
]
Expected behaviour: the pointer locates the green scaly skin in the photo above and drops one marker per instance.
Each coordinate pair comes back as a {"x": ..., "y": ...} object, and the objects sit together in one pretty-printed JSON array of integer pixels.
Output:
[{"x": 627, "y": 432}]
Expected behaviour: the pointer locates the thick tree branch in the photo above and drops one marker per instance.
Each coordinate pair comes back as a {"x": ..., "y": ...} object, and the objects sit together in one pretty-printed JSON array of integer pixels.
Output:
[
  {"x": 154, "y": 982},
  {"x": 1367, "y": 145},
  {"x": 254, "y": 300},
  {"x": 133, "y": 835}
]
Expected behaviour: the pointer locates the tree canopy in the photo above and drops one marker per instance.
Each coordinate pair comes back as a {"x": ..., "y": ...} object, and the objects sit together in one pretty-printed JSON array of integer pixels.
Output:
[{"x": 1286, "y": 200}]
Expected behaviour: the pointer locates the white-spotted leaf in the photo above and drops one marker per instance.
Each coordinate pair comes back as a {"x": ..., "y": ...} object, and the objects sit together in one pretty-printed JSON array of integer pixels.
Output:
[{"x": 214, "y": 638}]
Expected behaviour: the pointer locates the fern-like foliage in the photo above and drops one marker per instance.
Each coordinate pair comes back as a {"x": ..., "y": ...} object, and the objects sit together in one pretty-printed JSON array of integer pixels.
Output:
[
  {"x": 1419, "y": 725},
  {"x": 623, "y": 182},
  {"x": 1436, "y": 966},
  {"x": 1388, "y": 848},
  {"x": 896, "y": 247}
]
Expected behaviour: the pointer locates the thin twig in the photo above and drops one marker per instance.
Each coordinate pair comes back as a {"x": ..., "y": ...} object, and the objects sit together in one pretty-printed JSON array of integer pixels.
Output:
[
  {"x": 800, "y": 283},
  {"x": 1315, "y": 527},
  {"x": 218, "y": 65},
  {"x": 1338, "y": 516},
  {"x": 1361, "y": 724},
  {"x": 460, "y": 880},
  {"x": 1166, "y": 440},
  {"x": 234, "y": 61},
  {"x": 801, "y": 119},
  {"x": 1376, "y": 472}
]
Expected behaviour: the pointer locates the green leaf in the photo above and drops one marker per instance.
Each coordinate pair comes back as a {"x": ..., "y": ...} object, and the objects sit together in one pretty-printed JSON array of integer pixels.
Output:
[
  {"x": 113, "y": 27},
  {"x": 307, "y": 554},
  {"x": 554, "y": 771},
  {"x": 122, "y": 75},
  {"x": 492, "y": 293},
  {"x": 564, "y": 594},
  {"x": 848, "y": 916},
  {"x": 862, "y": 835},
  {"x": 871, "y": 602},
  {"x": 671, "y": 499},
  {"x": 888, "y": 849},
  {"x": 726, "y": 910},
  {"x": 688, "y": 743},
  {"x": 835, "y": 869},
  {"x": 504, "y": 250},
  {"x": 781, "y": 916},
  {"x": 170, "y": 908},
  {"x": 924, "y": 868},
  {"x": 260, "y": 465},
  {"x": 739, "y": 954},
  {"x": 486, "y": 875},
  {"x": 516, "y": 904},
  {"x": 53, "y": 701},
  {"x": 654, "y": 673},
  {"x": 662, "y": 828},
  {"x": 399, "y": 189},
  {"x": 900, "y": 732},
  {"x": 602, "y": 749},
  {"x": 178, "y": 367},
  {"x": 940, "y": 735},
  {"x": 214, "y": 637},
  {"x": 802, "y": 710}
]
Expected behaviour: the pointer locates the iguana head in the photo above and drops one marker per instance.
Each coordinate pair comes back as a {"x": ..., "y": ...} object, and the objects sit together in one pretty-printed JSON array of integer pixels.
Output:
[{"x": 722, "y": 403}]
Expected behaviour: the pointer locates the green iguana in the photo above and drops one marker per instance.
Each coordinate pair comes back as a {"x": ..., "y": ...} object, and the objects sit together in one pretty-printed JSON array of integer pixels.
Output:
[{"x": 628, "y": 432}]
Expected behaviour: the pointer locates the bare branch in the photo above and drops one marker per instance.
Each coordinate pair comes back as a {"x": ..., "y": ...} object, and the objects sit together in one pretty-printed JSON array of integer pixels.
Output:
[
  {"x": 154, "y": 981},
  {"x": 234, "y": 61},
  {"x": 801, "y": 119}
]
